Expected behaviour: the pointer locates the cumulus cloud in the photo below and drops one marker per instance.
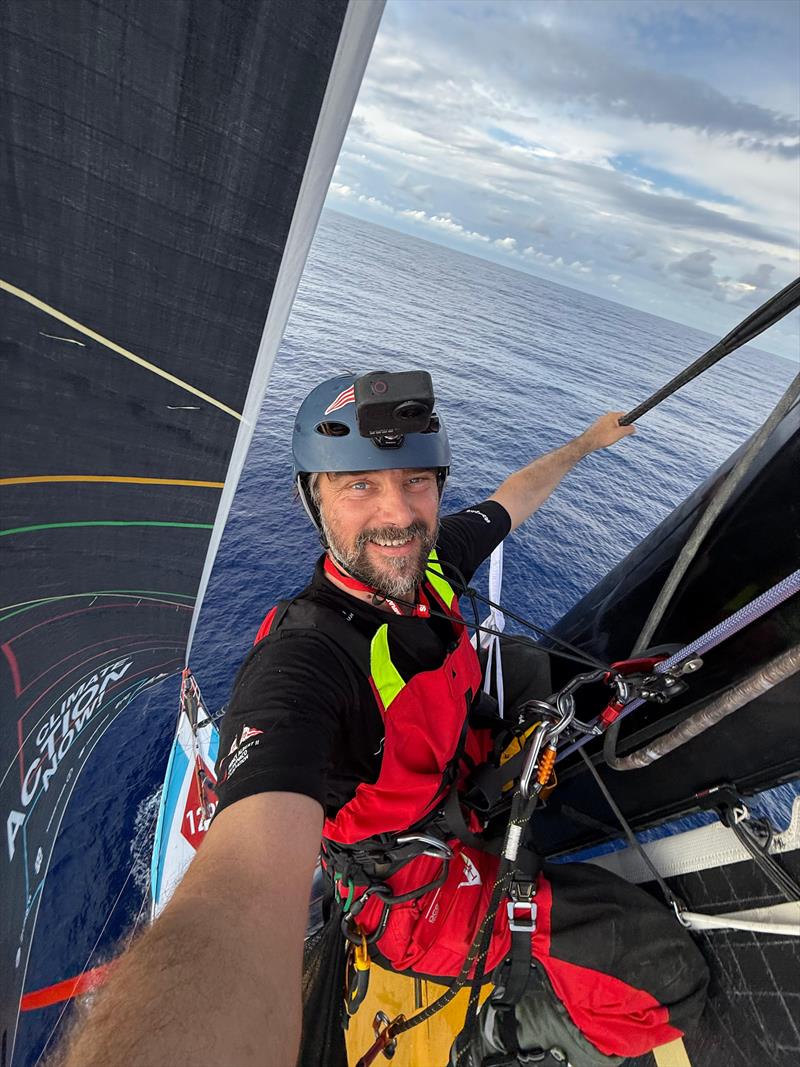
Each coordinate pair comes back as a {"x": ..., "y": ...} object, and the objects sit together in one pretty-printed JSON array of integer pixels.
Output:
[
  {"x": 697, "y": 269},
  {"x": 446, "y": 224},
  {"x": 761, "y": 277}
]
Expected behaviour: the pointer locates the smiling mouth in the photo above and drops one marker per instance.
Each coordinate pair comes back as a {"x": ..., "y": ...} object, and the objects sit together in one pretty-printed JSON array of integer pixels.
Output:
[{"x": 395, "y": 543}]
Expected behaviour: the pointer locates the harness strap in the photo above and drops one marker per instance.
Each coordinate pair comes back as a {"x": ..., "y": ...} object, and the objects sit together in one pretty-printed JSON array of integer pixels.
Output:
[{"x": 456, "y": 825}]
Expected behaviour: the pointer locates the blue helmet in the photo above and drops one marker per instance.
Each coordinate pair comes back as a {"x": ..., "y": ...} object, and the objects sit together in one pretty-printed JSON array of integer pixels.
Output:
[{"x": 376, "y": 421}]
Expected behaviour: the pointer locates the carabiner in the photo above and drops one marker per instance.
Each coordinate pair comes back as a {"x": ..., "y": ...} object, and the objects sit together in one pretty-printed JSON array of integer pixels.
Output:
[{"x": 356, "y": 975}]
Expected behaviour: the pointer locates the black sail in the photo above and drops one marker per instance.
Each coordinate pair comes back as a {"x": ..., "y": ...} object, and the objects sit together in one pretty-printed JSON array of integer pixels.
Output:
[{"x": 164, "y": 168}]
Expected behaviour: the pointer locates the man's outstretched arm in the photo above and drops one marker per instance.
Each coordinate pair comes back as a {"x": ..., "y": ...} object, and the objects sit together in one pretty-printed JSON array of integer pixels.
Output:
[
  {"x": 527, "y": 489},
  {"x": 217, "y": 977}
]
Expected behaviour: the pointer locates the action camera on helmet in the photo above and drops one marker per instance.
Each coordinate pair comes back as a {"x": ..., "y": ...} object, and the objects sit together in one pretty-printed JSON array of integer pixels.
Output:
[{"x": 391, "y": 405}]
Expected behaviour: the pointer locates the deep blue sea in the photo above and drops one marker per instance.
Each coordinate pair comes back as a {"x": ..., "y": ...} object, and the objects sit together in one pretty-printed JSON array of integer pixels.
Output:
[{"x": 519, "y": 365}]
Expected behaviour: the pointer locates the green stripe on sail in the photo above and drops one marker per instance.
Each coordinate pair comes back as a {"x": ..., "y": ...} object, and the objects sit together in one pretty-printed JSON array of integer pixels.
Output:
[
  {"x": 110, "y": 522},
  {"x": 143, "y": 594}
]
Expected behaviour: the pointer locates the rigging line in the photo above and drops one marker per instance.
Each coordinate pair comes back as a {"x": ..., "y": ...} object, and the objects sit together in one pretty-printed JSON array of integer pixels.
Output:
[
  {"x": 767, "y": 601},
  {"x": 139, "y": 915},
  {"x": 712, "y": 510},
  {"x": 576, "y": 657},
  {"x": 777, "y": 670},
  {"x": 39, "y": 478},
  {"x": 769, "y": 866},
  {"x": 763, "y": 317},
  {"x": 687, "y": 554},
  {"x": 48, "y": 310},
  {"x": 467, "y": 590},
  {"x": 105, "y": 522},
  {"x": 672, "y": 900}
]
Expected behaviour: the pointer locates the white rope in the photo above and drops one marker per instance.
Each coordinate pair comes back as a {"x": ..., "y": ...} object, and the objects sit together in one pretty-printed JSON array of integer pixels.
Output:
[{"x": 782, "y": 919}]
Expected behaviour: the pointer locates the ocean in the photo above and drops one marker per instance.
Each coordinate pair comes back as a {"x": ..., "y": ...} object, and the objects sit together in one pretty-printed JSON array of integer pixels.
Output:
[{"x": 519, "y": 365}]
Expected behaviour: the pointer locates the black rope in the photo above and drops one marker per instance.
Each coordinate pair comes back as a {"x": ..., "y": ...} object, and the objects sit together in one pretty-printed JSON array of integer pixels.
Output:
[
  {"x": 672, "y": 900},
  {"x": 574, "y": 656},
  {"x": 780, "y": 878},
  {"x": 577, "y": 654},
  {"x": 479, "y": 950},
  {"x": 767, "y": 315}
]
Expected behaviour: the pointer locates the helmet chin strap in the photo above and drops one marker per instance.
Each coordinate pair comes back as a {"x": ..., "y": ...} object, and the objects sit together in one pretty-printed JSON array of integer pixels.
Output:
[{"x": 310, "y": 509}]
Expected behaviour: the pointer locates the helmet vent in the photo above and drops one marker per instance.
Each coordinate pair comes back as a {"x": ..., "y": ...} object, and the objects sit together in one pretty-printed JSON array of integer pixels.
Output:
[{"x": 332, "y": 429}]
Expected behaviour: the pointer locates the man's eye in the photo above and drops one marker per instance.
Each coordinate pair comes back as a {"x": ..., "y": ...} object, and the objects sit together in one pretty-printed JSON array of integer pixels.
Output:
[{"x": 358, "y": 485}]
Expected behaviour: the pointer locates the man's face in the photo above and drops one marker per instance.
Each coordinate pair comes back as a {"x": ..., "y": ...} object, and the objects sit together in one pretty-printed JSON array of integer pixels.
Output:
[{"x": 381, "y": 525}]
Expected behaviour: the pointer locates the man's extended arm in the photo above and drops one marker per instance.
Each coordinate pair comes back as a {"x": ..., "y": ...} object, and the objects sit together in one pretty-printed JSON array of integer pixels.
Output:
[
  {"x": 217, "y": 977},
  {"x": 527, "y": 489}
]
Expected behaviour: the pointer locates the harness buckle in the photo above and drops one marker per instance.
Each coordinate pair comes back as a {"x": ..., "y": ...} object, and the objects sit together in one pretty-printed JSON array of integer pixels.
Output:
[{"x": 522, "y": 916}]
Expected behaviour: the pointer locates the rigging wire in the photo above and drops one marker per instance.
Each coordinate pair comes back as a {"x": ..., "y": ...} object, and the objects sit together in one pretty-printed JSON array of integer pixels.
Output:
[
  {"x": 770, "y": 312},
  {"x": 573, "y": 653},
  {"x": 672, "y": 900}
]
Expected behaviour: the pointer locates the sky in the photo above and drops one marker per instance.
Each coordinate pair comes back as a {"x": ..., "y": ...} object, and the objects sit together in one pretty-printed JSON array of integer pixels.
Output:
[{"x": 646, "y": 151}]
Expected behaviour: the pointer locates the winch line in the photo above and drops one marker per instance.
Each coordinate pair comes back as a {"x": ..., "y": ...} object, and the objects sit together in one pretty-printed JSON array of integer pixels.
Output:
[
  {"x": 760, "y": 605},
  {"x": 770, "y": 312}
]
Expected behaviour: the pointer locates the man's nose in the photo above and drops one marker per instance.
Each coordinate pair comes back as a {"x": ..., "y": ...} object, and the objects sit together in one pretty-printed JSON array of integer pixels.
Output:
[{"x": 396, "y": 509}]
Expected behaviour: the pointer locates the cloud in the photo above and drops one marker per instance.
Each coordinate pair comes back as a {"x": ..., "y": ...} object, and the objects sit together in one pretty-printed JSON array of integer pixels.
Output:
[
  {"x": 446, "y": 224},
  {"x": 540, "y": 225},
  {"x": 418, "y": 190},
  {"x": 761, "y": 277},
  {"x": 533, "y": 58},
  {"x": 696, "y": 269},
  {"x": 619, "y": 144}
]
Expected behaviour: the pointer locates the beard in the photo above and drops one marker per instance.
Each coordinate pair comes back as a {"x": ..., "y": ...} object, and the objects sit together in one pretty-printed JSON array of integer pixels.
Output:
[{"x": 393, "y": 576}]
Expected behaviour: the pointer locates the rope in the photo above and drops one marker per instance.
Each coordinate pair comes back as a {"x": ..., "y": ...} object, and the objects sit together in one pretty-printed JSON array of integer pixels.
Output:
[
  {"x": 752, "y": 611},
  {"x": 85, "y": 967},
  {"x": 767, "y": 315},
  {"x": 771, "y": 674},
  {"x": 770, "y": 867},
  {"x": 790, "y": 927},
  {"x": 669, "y": 896},
  {"x": 709, "y": 516}
]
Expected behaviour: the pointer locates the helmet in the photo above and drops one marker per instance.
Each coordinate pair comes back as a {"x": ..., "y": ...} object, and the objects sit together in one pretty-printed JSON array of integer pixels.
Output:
[{"x": 331, "y": 428}]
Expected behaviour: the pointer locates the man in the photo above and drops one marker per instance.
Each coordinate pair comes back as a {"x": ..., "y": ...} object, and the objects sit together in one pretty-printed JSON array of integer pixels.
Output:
[{"x": 347, "y": 722}]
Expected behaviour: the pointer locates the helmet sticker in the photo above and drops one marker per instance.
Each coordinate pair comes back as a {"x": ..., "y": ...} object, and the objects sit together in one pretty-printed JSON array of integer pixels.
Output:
[{"x": 346, "y": 397}]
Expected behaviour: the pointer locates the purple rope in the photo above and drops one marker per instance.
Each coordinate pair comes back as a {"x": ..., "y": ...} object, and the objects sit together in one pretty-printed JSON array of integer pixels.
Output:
[{"x": 784, "y": 589}]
